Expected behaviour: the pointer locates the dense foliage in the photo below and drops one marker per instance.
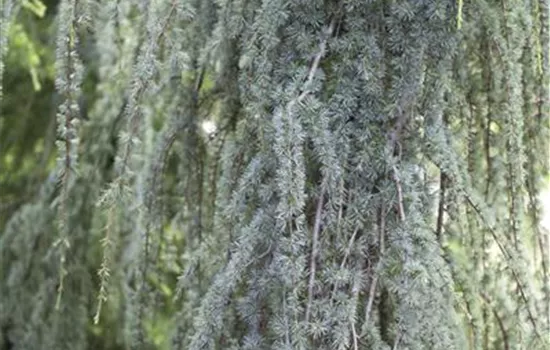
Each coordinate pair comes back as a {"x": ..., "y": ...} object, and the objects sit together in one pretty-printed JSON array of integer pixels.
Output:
[{"x": 275, "y": 174}]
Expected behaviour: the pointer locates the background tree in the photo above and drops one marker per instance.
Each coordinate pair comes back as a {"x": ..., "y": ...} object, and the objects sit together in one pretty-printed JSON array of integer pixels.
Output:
[{"x": 276, "y": 174}]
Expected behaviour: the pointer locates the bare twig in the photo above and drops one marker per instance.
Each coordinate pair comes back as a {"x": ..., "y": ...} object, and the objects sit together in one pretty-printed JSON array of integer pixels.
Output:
[
  {"x": 396, "y": 343},
  {"x": 354, "y": 332},
  {"x": 441, "y": 207},
  {"x": 313, "y": 68},
  {"x": 314, "y": 250},
  {"x": 372, "y": 291},
  {"x": 355, "y": 297},
  {"x": 317, "y": 60},
  {"x": 382, "y": 229},
  {"x": 350, "y": 245},
  {"x": 401, "y": 208},
  {"x": 346, "y": 255}
]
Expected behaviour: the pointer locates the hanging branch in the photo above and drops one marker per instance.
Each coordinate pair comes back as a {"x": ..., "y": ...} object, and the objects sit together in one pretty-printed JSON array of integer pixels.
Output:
[
  {"x": 543, "y": 106},
  {"x": 499, "y": 321},
  {"x": 304, "y": 92},
  {"x": 133, "y": 114},
  {"x": 508, "y": 257},
  {"x": 167, "y": 139},
  {"x": 68, "y": 84},
  {"x": 104, "y": 272},
  {"x": 140, "y": 84}
]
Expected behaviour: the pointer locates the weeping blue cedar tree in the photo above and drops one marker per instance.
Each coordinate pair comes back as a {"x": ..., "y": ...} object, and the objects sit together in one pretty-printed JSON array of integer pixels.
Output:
[{"x": 372, "y": 179}]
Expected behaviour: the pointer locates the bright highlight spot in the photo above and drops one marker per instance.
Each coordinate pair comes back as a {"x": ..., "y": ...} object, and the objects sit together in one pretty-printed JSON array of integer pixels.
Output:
[{"x": 209, "y": 127}]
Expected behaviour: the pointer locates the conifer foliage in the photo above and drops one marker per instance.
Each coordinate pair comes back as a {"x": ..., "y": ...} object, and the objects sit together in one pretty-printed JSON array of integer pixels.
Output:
[{"x": 288, "y": 174}]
